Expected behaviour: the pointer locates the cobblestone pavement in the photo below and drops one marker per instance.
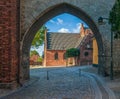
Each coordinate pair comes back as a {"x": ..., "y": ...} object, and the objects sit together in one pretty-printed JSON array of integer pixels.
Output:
[
  {"x": 114, "y": 85},
  {"x": 63, "y": 83}
]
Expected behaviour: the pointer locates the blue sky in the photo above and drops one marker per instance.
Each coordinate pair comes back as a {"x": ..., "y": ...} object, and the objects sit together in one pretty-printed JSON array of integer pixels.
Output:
[{"x": 63, "y": 23}]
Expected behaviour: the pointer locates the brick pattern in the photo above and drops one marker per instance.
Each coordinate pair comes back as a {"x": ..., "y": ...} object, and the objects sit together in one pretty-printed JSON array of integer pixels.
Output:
[
  {"x": 8, "y": 40},
  {"x": 116, "y": 54},
  {"x": 86, "y": 46},
  {"x": 50, "y": 61},
  {"x": 116, "y": 47}
]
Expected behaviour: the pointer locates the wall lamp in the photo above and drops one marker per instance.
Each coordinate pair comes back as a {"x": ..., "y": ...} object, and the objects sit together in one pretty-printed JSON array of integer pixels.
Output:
[{"x": 101, "y": 20}]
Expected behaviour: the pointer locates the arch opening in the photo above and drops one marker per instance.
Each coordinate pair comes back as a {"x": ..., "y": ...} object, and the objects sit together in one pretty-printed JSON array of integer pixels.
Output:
[{"x": 43, "y": 18}]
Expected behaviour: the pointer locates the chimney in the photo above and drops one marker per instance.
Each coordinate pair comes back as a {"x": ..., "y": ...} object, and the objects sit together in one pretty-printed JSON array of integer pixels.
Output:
[{"x": 82, "y": 30}]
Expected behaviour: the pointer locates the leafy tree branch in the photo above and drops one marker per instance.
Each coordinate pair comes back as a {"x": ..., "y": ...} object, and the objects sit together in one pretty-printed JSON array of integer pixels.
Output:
[
  {"x": 114, "y": 19},
  {"x": 39, "y": 38}
]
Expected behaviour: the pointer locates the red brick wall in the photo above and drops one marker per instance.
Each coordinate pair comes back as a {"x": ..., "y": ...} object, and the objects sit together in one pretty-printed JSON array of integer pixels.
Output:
[
  {"x": 34, "y": 60},
  {"x": 86, "y": 60},
  {"x": 8, "y": 40},
  {"x": 50, "y": 61}
]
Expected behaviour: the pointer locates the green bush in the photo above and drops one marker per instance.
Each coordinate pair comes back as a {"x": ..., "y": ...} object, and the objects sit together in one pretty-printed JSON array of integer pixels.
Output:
[{"x": 73, "y": 52}]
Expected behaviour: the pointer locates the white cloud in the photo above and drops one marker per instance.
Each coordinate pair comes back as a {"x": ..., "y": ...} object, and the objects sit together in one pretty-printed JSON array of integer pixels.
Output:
[
  {"x": 64, "y": 30},
  {"x": 77, "y": 29},
  {"x": 52, "y": 21},
  {"x": 59, "y": 21}
]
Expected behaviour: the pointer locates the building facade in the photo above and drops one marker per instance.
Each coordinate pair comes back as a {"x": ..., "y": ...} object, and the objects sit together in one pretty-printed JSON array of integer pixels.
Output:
[
  {"x": 34, "y": 60},
  {"x": 56, "y": 45},
  {"x": 86, "y": 47}
]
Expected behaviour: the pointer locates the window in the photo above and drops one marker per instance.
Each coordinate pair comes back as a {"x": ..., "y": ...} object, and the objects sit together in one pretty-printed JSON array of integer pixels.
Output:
[
  {"x": 86, "y": 53},
  {"x": 56, "y": 56}
]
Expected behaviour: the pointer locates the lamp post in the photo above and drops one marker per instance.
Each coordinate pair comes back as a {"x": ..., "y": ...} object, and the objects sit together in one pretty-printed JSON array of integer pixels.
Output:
[
  {"x": 111, "y": 66},
  {"x": 101, "y": 22}
]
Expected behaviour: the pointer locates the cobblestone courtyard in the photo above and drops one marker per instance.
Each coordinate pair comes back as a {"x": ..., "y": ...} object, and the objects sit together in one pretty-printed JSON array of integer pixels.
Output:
[{"x": 63, "y": 83}]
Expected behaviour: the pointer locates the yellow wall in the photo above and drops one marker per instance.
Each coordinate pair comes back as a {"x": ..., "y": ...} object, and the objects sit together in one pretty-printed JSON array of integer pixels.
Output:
[{"x": 95, "y": 52}]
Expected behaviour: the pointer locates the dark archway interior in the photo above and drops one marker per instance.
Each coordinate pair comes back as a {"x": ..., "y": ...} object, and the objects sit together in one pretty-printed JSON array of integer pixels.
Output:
[{"x": 44, "y": 17}]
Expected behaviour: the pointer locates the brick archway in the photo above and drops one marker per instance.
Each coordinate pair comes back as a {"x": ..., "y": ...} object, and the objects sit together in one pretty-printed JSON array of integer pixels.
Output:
[
  {"x": 44, "y": 17},
  {"x": 20, "y": 19}
]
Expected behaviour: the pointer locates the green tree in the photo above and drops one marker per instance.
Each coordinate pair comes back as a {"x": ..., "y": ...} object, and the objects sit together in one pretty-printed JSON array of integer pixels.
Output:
[
  {"x": 40, "y": 59},
  {"x": 34, "y": 52},
  {"x": 72, "y": 52},
  {"x": 39, "y": 38},
  {"x": 114, "y": 19}
]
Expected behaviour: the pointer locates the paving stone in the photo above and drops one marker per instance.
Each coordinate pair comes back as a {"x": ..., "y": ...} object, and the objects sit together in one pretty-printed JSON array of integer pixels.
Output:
[{"x": 63, "y": 83}]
